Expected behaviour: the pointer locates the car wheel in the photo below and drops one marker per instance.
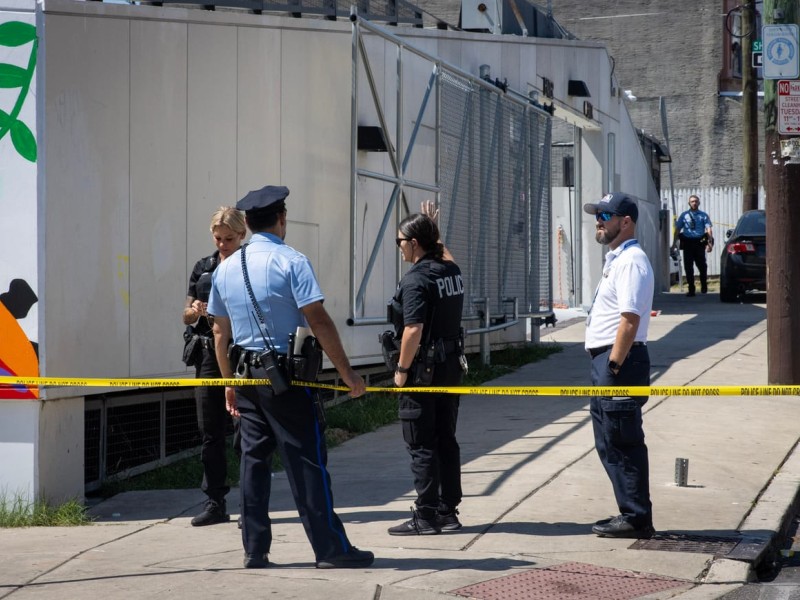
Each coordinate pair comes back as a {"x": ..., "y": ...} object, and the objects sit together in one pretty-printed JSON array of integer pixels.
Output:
[{"x": 727, "y": 293}]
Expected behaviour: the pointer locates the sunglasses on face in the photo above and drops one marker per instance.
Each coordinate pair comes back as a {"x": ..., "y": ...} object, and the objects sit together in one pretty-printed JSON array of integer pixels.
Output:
[
  {"x": 398, "y": 241},
  {"x": 604, "y": 216}
]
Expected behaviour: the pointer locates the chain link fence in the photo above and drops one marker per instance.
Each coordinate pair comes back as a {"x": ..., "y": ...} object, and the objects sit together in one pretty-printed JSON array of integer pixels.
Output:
[{"x": 495, "y": 197}]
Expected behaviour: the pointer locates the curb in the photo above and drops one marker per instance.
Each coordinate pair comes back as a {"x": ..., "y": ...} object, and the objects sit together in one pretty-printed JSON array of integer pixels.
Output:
[{"x": 766, "y": 525}]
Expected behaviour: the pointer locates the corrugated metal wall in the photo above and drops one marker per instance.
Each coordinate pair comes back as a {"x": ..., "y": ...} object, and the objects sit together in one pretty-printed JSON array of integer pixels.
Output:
[{"x": 723, "y": 205}]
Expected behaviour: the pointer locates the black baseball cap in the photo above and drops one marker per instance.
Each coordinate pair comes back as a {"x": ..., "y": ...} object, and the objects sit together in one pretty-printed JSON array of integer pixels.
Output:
[{"x": 615, "y": 203}]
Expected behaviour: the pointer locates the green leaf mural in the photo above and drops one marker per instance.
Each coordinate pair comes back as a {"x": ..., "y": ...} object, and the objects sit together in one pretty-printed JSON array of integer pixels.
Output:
[
  {"x": 12, "y": 76},
  {"x": 23, "y": 140},
  {"x": 13, "y": 34}
]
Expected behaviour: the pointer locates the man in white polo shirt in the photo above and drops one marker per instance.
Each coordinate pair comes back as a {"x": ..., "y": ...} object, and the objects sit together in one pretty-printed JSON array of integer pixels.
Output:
[{"x": 616, "y": 339}]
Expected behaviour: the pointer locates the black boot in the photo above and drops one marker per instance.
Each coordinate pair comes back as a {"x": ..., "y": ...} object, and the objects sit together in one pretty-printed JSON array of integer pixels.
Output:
[{"x": 213, "y": 513}]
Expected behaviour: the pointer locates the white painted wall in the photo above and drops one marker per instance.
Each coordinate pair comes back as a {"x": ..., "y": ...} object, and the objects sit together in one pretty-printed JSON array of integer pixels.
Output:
[
  {"x": 19, "y": 436},
  {"x": 19, "y": 256},
  {"x": 156, "y": 116}
]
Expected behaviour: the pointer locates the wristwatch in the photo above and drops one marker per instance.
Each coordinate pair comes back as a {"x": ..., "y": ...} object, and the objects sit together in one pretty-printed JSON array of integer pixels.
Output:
[
  {"x": 614, "y": 367},
  {"x": 402, "y": 369}
]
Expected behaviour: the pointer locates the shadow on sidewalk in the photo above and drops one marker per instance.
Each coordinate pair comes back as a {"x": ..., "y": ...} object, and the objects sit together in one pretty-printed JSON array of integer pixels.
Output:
[{"x": 712, "y": 323}]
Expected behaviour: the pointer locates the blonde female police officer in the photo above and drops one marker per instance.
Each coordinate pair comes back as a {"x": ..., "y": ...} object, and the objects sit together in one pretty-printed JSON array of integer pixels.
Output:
[
  {"x": 288, "y": 295},
  {"x": 228, "y": 231}
]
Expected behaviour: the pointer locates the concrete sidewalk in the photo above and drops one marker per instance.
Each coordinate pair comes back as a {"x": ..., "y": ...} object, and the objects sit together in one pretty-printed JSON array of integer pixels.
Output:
[{"x": 533, "y": 486}]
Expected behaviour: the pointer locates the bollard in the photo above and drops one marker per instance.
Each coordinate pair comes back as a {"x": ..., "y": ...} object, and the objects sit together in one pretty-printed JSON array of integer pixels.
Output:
[{"x": 681, "y": 471}]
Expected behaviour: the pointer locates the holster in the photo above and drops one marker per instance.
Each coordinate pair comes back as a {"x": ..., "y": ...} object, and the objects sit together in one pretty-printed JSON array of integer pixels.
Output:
[
  {"x": 306, "y": 365},
  {"x": 192, "y": 347},
  {"x": 424, "y": 364},
  {"x": 390, "y": 348}
]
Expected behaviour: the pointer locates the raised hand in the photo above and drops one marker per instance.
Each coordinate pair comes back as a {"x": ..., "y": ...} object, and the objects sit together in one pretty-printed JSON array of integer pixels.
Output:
[{"x": 428, "y": 208}]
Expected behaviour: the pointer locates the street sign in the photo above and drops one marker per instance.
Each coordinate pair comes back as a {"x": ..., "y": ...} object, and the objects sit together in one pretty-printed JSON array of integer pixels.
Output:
[
  {"x": 757, "y": 46},
  {"x": 758, "y": 60},
  {"x": 780, "y": 48},
  {"x": 789, "y": 107}
]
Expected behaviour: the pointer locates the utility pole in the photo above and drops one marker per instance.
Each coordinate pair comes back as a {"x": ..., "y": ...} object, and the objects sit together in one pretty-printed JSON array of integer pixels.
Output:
[
  {"x": 749, "y": 109},
  {"x": 783, "y": 235}
]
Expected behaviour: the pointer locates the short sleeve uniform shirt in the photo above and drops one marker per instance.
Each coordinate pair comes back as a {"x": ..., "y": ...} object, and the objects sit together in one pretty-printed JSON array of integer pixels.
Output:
[
  {"x": 432, "y": 291},
  {"x": 692, "y": 224},
  {"x": 200, "y": 286},
  {"x": 283, "y": 282},
  {"x": 626, "y": 287}
]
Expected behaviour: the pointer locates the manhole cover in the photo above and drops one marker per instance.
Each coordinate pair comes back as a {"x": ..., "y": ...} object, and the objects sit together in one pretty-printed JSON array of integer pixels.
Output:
[
  {"x": 570, "y": 581},
  {"x": 684, "y": 542}
]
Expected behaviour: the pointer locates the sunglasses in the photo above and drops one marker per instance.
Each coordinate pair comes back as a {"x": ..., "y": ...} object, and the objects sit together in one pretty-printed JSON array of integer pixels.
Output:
[
  {"x": 604, "y": 216},
  {"x": 399, "y": 240}
]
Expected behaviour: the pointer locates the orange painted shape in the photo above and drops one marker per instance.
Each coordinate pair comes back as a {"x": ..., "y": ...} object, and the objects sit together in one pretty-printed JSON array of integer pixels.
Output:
[{"x": 17, "y": 357}]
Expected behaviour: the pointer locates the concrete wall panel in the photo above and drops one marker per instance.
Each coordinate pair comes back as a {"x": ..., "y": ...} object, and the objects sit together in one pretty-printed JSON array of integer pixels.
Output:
[
  {"x": 85, "y": 206},
  {"x": 259, "y": 130},
  {"x": 60, "y": 450},
  {"x": 158, "y": 195},
  {"x": 315, "y": 100},
  {"x": 211, "y": 132}
]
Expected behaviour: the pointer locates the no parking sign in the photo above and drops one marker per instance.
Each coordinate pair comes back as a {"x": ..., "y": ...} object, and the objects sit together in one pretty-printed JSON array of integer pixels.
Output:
[{"x": 789, "y": 107}]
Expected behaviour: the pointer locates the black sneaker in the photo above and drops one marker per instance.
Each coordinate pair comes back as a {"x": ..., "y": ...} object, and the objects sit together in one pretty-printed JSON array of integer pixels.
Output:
[
  {"x": 213, "y": 513},
  {"x": 416, "y": 525},
  {"x": 448, "y": 521},
  {"x": 704, "y": 289},
  {"x": 354, "y": 559},
  {"x": 255, "y": 561}
]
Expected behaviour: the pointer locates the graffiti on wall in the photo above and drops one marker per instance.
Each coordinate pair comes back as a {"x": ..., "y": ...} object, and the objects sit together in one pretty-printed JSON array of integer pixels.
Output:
[
  {"x": 14, "y": 34},
  {"x": 18, "y": 355},
  {"x": 19, "y": 352}
]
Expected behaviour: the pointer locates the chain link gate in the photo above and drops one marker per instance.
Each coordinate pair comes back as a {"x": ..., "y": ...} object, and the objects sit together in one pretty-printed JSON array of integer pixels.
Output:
[{"x": 485, "y": 154}]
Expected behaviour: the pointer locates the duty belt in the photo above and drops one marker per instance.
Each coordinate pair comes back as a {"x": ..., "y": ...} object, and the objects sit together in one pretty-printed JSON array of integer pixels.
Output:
[
  {"x": 450, "y": 346},
  {"x": 596, "y": 351},
  {"x": 252, "y": 358}
]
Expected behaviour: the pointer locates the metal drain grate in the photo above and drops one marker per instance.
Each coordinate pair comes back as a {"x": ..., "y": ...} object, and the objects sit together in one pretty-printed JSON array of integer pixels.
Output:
[
  {"x": 684, "y": 542},
  {"x": 570, "y": 581}
]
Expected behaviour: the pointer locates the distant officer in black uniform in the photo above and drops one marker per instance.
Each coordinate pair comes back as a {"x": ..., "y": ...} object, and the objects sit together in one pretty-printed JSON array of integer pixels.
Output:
[
  {"x": 288, "y": 296},
  {"x": 427, "y": 310}
]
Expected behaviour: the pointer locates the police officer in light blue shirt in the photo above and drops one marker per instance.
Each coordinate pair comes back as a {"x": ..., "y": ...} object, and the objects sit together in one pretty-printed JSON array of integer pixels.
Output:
[
  {"x": 288, "y": 296},
  {"x": 696, "y": 236}
]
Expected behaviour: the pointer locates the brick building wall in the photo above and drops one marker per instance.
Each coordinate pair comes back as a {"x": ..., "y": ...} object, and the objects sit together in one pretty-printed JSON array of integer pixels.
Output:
[{"x": 670, "y": 49}]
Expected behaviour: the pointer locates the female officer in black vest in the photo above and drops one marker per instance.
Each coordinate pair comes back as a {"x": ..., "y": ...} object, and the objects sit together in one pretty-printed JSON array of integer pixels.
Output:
[
  {"x": 227, "y": 230},
  {"x": 429, "y": 303}
]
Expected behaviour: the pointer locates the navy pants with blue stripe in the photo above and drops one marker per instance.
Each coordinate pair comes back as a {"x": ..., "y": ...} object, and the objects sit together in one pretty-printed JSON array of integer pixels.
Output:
[
  {"x": 619, "y": 436},
  {"x": 289, "y": 424}
]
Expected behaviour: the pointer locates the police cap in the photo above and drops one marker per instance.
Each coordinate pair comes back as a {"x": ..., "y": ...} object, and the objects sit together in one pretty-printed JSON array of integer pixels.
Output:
[{"x": 268, "y": 199}]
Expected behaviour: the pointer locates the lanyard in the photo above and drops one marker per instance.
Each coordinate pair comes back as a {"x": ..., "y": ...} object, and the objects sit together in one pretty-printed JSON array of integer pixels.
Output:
[{"x": 615, "y": 256}]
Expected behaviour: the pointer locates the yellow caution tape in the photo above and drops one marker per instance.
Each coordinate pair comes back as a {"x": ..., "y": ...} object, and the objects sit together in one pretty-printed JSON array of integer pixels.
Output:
[{"x": 710, "y": 390}]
